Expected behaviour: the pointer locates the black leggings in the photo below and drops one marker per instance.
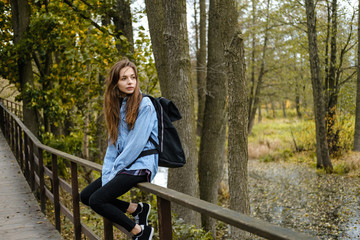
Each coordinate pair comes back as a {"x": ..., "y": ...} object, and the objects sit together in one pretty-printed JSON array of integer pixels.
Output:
[{"x": 103, "y": 199}]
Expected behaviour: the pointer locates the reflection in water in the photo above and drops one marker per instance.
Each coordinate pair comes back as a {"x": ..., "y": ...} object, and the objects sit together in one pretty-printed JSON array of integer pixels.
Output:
[{"x": 295, "y": 196}]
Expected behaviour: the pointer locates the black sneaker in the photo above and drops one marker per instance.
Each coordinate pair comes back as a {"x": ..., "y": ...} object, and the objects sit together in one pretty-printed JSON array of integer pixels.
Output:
[
  {"x": 147, "y": 233},
  {"x": 142, "y": 217}
]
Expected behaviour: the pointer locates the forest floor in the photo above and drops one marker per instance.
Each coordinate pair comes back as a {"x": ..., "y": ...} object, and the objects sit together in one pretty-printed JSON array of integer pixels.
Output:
[
  {"x": 293, "y": 140},
  {"x": 286, "y": 188}
]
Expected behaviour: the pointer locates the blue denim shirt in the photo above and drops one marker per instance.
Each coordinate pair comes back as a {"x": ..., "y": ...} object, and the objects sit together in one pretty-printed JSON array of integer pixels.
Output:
[{"x": 130, "y": 143}]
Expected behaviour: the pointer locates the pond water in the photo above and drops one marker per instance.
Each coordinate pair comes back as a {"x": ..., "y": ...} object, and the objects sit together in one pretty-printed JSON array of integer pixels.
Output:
[{"x": 297, "y": 197}]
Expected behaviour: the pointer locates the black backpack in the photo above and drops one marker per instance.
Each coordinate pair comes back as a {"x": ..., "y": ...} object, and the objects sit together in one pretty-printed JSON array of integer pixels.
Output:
[{"x": 171, "y": 153}]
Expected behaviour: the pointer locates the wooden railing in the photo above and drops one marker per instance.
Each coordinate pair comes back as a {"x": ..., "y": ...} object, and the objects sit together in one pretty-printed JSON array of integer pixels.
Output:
[
  {"x": 13, "y": 107},
  {"x": 29, "y": 152}
]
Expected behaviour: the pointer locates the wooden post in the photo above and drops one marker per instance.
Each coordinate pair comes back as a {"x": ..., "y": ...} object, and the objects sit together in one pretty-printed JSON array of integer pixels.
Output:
[
  {"x": 164, "y": 213},
  {"x": 42, "y": 180},
  {"x": 26, "y": 151},
  {"x": 2, "y": 117},
  {"x": 11, "y": 133},
  {"x": 55, "y": 186},
  {"x": 75, "y": 200},
  {"x": 108, "y": 230},
  {"x": 8, "y": 127},
  {"x": 32, "y": 165},
  {"x": 21, "y": 148},
  {"x": 13, "y": 130},
  {"x": 17, "y": 141}
]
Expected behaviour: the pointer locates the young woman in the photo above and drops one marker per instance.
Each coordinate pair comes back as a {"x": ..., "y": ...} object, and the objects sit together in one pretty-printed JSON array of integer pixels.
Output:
[{"x": 131, "y": 120}]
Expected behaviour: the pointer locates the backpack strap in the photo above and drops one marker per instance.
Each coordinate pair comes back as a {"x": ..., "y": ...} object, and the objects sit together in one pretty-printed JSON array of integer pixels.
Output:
[{"x": 151, "y": 151}]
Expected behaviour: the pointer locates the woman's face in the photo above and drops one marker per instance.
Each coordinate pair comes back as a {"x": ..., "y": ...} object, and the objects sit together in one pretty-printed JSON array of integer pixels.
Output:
[{"x": 127, "y": 80}]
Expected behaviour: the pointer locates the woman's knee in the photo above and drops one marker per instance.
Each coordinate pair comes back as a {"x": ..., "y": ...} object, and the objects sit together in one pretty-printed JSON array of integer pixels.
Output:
[
  {"x": 84, "y": 198},
  {"x": 89, "y": 190},
  {"x": 94, "y": 202}
]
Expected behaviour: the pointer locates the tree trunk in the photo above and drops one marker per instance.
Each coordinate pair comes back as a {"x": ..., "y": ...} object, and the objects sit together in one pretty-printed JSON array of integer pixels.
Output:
[
  {"x": 357, "y": 114},
  {"x": 284, "y": 108},
  {"x": 259, "y": 114},
  {"x": 297, "y": 101},
  {"x": 201, "y": 67},
  {"x": 238, "y": 126},
  {"x": 332, "y": 86},
  {"x": 155, "y": 15},
  {"x": 20, "y": 11},
  {"x": 211, "y": 158},
  {"x": 322, "y": 152},
  {"x": 273, "y": 108},
  {"x": 252, "y": 64},
  {"x": 178, "y": 67},
  {"x": 326, "y": 43},
  {"x": 297, "y": 90},
  {"x": 101, "y": 135},
  {"x": 256, "y": 97},
  {"x": 123, "y": 26}
]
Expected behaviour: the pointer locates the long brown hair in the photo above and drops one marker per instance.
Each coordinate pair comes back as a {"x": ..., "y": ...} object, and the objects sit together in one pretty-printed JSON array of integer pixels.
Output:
[{"x": 112, "y": 101}]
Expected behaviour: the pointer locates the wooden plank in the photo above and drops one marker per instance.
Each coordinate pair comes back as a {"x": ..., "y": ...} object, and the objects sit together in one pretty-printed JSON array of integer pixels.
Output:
[
  {"x": 48, "y": 172},
  {"x": 66, "y": 186},
  {"x": 49, "y": 195},
  {"x": 88, "y": 233},
  {"x": 66, "y": 212}
]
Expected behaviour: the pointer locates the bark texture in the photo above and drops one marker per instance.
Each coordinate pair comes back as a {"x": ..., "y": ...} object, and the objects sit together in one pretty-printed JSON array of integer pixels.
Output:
[
  {"x": 332, "y": 88},
  {"x": 123, "y": 25},
  {"x": 201, "y": 67},
  {"x": 155, "y": 14},
  {"x": 222, "y": 24},
  {"x": 168, "y": 30},
  {"x": 322, "y": 152},
  {"x": 238, "y": 132},
  {"x": 212, "y": 146},
  {"x": 252, "y": 60},
  {"x": 20, "y": 11},
  {"x": 357, "y": 114}
]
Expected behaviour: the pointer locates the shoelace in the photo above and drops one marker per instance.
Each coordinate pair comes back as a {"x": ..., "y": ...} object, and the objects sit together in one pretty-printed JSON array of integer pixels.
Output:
[{"x": 136, "y": 217}]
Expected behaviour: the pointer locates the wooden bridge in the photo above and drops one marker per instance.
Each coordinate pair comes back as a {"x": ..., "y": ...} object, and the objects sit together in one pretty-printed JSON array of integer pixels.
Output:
[
  {"x": 20, "y": 215},
  {"x": 22, "y": 218}
]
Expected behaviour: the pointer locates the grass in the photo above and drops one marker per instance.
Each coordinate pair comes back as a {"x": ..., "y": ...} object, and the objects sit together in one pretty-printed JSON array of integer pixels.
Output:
[{"x": 292, "y": 139}]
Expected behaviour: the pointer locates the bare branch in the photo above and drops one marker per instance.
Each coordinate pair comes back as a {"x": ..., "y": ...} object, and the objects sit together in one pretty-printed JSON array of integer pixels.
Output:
[{"x": 102, "y": 29}]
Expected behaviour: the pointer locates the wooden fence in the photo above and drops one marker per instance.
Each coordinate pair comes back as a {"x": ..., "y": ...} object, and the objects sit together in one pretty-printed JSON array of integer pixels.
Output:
[{"x": 29, "y": 152}]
